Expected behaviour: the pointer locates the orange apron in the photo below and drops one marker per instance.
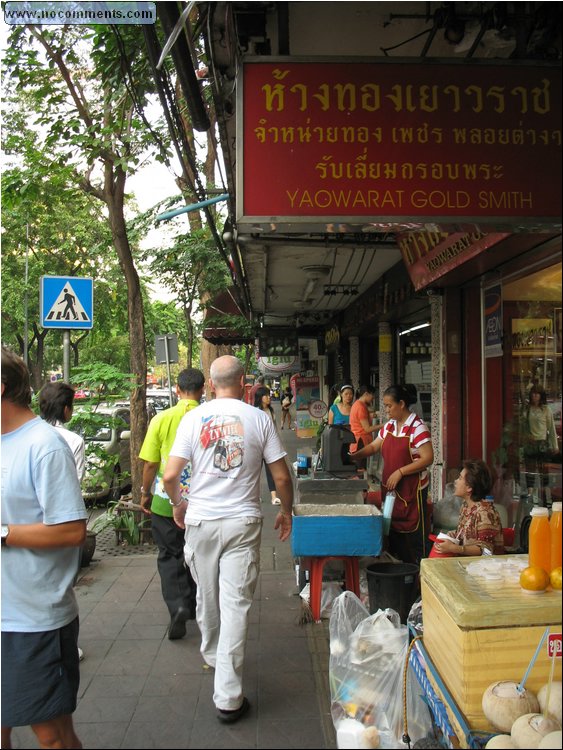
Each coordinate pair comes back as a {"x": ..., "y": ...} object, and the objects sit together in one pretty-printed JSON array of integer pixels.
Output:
[{"x": 407, "y": 511}]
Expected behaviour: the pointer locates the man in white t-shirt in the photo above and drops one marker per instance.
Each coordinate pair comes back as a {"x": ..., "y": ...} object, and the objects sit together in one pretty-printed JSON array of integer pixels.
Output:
[{"x": 226, "y": 441}]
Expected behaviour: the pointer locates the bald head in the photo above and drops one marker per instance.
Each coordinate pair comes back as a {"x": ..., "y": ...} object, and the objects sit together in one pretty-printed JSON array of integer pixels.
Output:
[{"x": 227, "y": 374}]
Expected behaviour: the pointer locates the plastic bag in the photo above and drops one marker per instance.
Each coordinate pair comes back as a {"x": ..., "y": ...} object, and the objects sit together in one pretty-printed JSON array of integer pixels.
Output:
[
  {"x": 414, "y": 620},
  {"x": 329, "y": 592},
  {"x": 367, "y": 660}
]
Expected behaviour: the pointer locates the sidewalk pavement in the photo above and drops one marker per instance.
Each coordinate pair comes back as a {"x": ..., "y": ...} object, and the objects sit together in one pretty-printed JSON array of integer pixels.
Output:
[{"x": 140, "y": 690}]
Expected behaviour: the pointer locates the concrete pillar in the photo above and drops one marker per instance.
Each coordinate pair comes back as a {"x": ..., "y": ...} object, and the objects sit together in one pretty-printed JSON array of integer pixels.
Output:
[
  {"x": 355, "y": 361},
  {"x": 385, "y": 364},
  {"x": 437, "y": 350}
]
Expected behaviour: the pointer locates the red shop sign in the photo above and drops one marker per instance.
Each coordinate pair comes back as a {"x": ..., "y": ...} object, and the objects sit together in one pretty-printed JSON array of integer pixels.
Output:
[
  {"x": 554, "y": 645},
  {"x": 384, "y": 140}
]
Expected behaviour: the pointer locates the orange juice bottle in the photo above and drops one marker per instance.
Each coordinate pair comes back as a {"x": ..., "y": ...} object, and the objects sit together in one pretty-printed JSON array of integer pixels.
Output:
[
  {"x": 555, "y": 532},
  {"x": 539, "y": 540}
]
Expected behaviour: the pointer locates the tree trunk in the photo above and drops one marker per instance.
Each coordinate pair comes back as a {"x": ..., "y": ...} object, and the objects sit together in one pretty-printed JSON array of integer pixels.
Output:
[
  {"x": 190, "y": 327},
  {"x": 36, "y": 368},
  {"x": 74, "y": 345},
  {"x": 114, "y": 190}
]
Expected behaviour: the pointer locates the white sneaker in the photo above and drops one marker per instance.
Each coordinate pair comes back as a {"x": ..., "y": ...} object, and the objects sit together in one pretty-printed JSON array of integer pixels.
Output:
[
  {"x": 80, "y": 654},
  {"x": 276, "y": 501}
]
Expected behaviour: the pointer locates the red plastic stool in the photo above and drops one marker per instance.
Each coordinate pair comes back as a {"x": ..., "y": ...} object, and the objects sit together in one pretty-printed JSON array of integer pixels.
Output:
[{"x": 352, "y": 579}]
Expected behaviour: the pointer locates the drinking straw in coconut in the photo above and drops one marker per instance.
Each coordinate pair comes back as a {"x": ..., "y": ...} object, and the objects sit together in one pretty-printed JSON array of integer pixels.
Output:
[
  {"x": 520, "y": 688},
  {"x": 549, "y": 682}
]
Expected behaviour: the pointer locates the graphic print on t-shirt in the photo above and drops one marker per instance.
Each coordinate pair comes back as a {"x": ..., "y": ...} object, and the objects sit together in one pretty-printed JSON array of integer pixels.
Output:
[{"x": 225, "y": 435}]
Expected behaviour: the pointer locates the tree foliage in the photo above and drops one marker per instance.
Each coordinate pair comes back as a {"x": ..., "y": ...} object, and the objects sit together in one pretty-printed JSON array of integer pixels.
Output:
[
  {"x": 88, "y": 88},
  {"x": 191, "y": 269}
]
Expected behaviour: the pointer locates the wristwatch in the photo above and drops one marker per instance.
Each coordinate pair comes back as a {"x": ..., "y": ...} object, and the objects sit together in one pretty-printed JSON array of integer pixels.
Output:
[{"x": 5, "y": 532}]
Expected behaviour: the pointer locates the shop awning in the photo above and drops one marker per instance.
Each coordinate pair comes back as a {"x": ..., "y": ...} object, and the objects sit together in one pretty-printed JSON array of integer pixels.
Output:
[{"x": 216, "y": 330}]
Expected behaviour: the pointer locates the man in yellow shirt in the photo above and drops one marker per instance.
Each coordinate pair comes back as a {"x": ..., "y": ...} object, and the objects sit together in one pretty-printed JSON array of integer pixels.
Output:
[{"x": 178, "y": 586}]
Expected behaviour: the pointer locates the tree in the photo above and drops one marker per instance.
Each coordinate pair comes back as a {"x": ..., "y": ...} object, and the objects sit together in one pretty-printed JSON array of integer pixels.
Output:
[
  {"x": 53, "y": 228},
  {"x": 89, "y": 88},
  {"x": 190, "y": 269}
]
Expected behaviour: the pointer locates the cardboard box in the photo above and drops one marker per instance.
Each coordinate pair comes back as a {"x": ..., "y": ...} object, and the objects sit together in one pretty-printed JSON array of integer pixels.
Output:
[
  {"x": 324, "y": 530},
  {"x": 479, "y": 632}
]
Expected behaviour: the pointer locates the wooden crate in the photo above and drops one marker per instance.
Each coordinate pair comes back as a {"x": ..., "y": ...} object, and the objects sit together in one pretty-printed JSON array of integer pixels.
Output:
[{"x": 477, "y": 633}]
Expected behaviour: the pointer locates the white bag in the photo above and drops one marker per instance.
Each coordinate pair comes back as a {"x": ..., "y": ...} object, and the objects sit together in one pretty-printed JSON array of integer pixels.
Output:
[{"x": 367, "y": 660}]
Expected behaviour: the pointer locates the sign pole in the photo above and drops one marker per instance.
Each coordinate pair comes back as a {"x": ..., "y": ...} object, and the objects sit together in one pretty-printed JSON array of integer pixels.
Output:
[
  {"x": 66, "y": 355},
  {"x": 168, "y": 367}
]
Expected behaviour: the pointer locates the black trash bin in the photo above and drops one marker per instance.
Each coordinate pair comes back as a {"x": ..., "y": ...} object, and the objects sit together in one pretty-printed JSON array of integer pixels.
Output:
[{"x": 393, "y": 585}]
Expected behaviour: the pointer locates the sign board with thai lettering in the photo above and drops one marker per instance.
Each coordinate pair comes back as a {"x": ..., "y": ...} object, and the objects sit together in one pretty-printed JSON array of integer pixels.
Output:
[
  {"x": 430, "y": 255},
  {"x": 398, "y": 141}
]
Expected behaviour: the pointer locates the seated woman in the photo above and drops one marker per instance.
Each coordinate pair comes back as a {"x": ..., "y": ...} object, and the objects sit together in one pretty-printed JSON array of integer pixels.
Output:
[
  {"x": 340, "y": 413},
  {"x": 479, "y": 530}
]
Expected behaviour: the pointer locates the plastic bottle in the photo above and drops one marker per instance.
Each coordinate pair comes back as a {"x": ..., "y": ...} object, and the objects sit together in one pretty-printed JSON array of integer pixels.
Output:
[
  {"x": 555, "y": 532},
  {"x": 388, "y": 511},
  {"x": 539, "y": 540}
]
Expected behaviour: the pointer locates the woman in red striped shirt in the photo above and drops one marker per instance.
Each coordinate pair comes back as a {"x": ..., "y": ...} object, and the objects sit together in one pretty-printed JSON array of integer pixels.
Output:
[{"x": 406, "y": 446}]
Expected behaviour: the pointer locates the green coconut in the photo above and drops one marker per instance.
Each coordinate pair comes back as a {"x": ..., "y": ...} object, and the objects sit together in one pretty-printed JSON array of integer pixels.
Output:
[
  {"x": 503, "y": 704},
  {"x": 500, "y": 742},
  {"x": 529, "y": 730},
  {"x": 552, "y": 741},
  {"x": 555, "y": 695}
]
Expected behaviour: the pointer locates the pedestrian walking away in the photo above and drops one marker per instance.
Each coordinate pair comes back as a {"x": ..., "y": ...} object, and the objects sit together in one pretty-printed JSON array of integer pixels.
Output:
[
  {"x": 286, "y": 401},
  {"x": 43, "y": 527},
  {"x": 56, "y": 404},
  {"x": 177, "y": 584},
  {"x": 263, "y": 400},
  {"x": 226, "y": 441}
]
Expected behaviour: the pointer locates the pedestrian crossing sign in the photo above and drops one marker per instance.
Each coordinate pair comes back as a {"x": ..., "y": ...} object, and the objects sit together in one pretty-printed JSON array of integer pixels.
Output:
[{"x": 66, "y": 302}]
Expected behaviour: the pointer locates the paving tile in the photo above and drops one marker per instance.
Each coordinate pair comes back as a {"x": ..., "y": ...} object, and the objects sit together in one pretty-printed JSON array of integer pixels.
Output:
[
  {"x": 105, "y": 709},
  {"x": 175, "y": 708},
  {"x": 143, "y": 561},
  {"x": 293, "y": 694},
  {"x": 111, "y": 605},
  {"x": 176, "y": 684},
  {"x": 207, "y": 734},
  {"x": 116, "y": 686},
  {"x": 295, "y": 733},
  {"x": 104, "y": 626},
  {"x": 139, "y": 631},
  {"x": 181, "y": 656},
  {"x": 274, "y": 611},
  {"x": 101, "y": 735},
  {"x": 113, "y": 562},
  {"x": 129, "y": 658},
  {"x": 286, "y": 656},
  {"x": 161, "y": 732}
]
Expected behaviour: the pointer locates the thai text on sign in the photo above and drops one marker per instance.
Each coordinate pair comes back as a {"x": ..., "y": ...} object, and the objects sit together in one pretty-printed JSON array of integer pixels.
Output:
[{"x": 397, "y": 140}]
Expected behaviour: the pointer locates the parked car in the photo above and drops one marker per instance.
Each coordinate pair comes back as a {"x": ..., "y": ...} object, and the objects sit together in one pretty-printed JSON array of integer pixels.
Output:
[
  {"x": 160, "y": 398},
  {"x": 80, "y": 394},
  {"x": 106, "y": 432}
]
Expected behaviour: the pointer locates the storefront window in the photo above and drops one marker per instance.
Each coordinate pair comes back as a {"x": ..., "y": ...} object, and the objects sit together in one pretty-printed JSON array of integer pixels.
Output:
[{"x": 532, "y": 317}]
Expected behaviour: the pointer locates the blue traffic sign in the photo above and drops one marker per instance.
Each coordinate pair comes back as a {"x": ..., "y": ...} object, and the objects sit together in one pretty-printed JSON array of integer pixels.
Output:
[{"x": 66, "y": 302}]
